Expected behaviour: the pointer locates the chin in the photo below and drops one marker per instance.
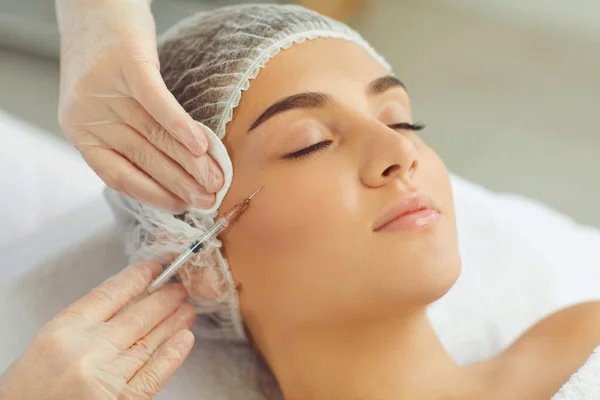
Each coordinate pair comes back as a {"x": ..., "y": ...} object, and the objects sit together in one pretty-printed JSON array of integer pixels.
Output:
[
  {"x": 443, "y": 272},
  {"x": 436, "y": 260},
  {"x": 424, "y": 279},
  {"x": 447, "y": 278}
]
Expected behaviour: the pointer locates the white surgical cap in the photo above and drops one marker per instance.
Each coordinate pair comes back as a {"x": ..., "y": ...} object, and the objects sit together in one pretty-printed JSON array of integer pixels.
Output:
[{"x": 207, "y": 61}]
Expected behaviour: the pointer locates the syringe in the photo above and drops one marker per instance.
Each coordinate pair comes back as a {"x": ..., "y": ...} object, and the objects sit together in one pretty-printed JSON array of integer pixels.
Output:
[{"x": 199, "y": 244}]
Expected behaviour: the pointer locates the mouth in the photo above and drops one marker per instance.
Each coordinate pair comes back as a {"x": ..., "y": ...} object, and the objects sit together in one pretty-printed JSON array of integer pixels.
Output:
[{"x": 414, "y": 211}]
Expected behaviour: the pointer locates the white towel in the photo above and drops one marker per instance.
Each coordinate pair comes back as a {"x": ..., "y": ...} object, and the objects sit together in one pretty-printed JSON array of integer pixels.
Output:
[{"x": 585, "y": 383}]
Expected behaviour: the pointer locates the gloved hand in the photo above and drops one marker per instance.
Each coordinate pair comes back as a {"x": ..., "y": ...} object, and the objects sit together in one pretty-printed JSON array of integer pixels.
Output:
[
  {"x": 92, "y": 351},
  {"x": 117, "y": 111}
]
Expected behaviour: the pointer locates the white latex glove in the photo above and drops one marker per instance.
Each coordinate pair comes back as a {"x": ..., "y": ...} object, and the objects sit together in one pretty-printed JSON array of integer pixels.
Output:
[
  {"x": 92, "y": 351},
  {"x": 116, "y": 110}
]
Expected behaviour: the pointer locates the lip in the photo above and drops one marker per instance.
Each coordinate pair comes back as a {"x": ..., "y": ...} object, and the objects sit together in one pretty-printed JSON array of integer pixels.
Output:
[{"x": 408, "y": 212}]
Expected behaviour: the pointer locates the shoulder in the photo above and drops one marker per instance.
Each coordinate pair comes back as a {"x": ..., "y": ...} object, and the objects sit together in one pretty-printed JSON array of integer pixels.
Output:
[
  {"x": 575, "y": 329},
  {"x": 544, "y": 358}
]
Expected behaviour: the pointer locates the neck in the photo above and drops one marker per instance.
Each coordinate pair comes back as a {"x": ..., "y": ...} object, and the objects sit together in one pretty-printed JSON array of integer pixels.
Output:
[{"x": 392, "y": 359}]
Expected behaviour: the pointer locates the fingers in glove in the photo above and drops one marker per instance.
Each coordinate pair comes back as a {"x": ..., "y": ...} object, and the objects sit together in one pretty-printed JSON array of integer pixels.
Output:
[
  {"x": 138, "y": 319},
  {"x": 149, "y": 89},
  {"x": 104, "y": 301},
  {"x": 150, "y": 379},
  {"x": 203, "y": 168},
  {"x": 137, "y": 355},
  {"x": 133, "y": 146},
  {"x": 124, "y": 177}
]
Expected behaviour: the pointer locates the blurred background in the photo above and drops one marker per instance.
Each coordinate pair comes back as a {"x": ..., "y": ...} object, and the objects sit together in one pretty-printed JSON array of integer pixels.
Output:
[{"x": 508, "y": 88}]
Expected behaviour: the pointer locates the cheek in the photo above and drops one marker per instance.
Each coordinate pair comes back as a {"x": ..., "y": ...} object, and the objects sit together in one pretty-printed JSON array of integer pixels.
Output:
[
  {"x": 292, "y": 204},
  {"x": 284, "y": 240},
  {"x": 286, "y": 208},
  {"x": 433, "y": 177}
]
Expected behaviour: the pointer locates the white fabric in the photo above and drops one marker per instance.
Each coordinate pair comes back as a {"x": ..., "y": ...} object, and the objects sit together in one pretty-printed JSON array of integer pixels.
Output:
[
  {"x": 585, "y": 383},
  {"x": 521, "y": 261},
  {"x": 41, "y": 178},
  {"x": 209, "y": 59},
  {"x": 217, "y": 150}
]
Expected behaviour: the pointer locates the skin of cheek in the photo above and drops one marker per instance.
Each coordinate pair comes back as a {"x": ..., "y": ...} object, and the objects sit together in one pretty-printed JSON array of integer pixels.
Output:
[{"x": 282, "y": 249}]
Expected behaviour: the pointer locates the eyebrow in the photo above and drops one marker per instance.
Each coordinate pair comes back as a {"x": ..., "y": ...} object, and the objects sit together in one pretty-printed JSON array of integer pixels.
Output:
[
  {"x": 307, "y": 100},
  {"x": 313, "y": 100},
  {"x": 380, "y": 85}
]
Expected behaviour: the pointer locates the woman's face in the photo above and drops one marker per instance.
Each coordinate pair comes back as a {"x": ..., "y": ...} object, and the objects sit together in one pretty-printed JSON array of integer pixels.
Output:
[{"x": 307, "y": 252}]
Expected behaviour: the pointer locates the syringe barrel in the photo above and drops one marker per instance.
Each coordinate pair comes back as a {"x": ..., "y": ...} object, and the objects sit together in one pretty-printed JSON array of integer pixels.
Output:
[{"x": 224, "y": 223}]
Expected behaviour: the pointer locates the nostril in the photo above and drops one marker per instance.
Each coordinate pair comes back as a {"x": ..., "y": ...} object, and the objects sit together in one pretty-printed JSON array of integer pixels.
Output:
[
  {"x": 391, "y": 169},
  {"x": 414, "y": 166}
]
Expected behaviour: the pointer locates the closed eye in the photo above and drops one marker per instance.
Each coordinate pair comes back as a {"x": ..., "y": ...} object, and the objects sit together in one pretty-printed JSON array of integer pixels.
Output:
[
  {"x": 308, "y": 150},
  {"x": 326, "y": 143},
  {"x": 406, "y": 126}
]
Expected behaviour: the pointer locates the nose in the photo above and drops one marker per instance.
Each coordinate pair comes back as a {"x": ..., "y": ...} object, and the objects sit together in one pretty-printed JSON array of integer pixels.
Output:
[{"x": 391, "y": 155}]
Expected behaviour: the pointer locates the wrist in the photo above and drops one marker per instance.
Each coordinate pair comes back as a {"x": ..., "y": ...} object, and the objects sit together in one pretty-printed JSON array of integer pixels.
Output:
[{"x": 68, "y": 12}]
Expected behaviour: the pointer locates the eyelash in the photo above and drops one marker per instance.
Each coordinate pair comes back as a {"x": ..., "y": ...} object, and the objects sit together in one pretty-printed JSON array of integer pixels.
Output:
[
  {"x": 307, "y": 150},
  {"x": 326, "y": 143},
  {"x": 406, "y": 126}
]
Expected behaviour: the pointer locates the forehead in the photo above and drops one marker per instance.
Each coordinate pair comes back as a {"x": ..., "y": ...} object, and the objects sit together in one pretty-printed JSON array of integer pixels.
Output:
[{"x": 335, "y": 66}]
